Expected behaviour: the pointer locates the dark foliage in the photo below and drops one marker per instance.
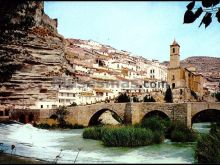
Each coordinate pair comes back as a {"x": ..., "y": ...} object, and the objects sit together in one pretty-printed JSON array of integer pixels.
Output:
[
  {"x": 123, "y": 98},
  {"x": 194, "y": 94},
  {"x": 208, "y": 6},
  {"x": 73, "y": 104},
  {"x": 217, "y": 96},
  {"x": 179, "y": 132},
  {"x": 61, "y": 114},
  {"x": 168, "y": 95},
  {"x": 135, "y": 99},
  {"x": 149, "y": 99},
  {"x": 208, "y": 146}
]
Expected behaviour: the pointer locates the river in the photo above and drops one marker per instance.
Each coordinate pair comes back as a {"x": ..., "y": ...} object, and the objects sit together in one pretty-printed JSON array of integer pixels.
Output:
[{"x": 46, "y": 145}]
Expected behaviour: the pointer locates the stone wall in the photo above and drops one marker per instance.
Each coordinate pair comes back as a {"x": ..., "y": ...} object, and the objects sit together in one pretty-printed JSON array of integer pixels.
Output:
[{"x": 130, "y": 113}]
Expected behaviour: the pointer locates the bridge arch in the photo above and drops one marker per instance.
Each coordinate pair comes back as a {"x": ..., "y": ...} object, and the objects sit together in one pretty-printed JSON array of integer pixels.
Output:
[
  {"x": 206, "y": 115},
  {"x": 159, "y": 113},
  {"x": 94, "y": 119}
]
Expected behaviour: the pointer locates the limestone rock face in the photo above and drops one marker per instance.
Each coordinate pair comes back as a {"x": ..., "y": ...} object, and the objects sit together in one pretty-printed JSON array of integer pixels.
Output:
[
  {"x": 31, "y": 53},
  {"x": 107, "y": 118}
]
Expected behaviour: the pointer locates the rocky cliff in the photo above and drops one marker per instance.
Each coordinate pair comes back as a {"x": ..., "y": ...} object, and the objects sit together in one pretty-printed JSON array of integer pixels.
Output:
[{"x": 31, "y": 52}]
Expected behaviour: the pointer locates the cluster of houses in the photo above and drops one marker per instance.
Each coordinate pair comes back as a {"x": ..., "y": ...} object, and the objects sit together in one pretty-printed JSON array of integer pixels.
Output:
[{"x": 102, "y": 74}]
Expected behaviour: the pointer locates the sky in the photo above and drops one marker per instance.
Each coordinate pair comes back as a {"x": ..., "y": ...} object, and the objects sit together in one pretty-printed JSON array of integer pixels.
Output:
[{"x": 143, "y": 28}]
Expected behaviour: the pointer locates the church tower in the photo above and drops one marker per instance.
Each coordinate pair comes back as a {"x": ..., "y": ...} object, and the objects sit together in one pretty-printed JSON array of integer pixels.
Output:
[{"x": 174, "y": 55}]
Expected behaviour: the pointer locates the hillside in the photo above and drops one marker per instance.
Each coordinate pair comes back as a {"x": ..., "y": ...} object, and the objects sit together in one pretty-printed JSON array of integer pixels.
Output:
[{"x": 208, "y": 66}]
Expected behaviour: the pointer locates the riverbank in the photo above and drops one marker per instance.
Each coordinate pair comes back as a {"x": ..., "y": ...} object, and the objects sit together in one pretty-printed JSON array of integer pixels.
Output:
[{"x": 16, "y": 159}]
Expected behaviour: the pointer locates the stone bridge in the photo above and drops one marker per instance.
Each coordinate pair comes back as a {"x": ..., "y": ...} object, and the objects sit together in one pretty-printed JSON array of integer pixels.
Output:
[{"x": 130, "y": 113}]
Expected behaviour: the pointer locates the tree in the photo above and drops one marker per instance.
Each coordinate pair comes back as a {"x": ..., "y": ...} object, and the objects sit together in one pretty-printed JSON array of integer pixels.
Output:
[
  {"x": 73, "y": 104},
  {"x": 123, "y": 98},
  {"x": 61, "y": 114},
  {"x": 217, "y": 96},
  {"x": 209, "y": 7},
  {"x": 135, "y": 99},
  {"x": 194, "y": 94},
  {"x": 149, "y": 99},
  {"x": 168, "y": 95}
]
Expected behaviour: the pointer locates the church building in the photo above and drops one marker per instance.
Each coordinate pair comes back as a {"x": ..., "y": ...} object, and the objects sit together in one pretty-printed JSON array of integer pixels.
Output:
[{"x": 186, "y": 84}]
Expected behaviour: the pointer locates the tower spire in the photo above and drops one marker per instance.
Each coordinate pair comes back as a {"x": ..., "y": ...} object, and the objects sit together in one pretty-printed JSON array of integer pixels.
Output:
[{"x": 174, "y": 42}]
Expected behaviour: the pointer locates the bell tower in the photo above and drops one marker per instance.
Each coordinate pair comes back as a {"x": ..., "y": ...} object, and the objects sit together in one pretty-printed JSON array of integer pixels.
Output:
[{"x": 174, "y": 55}]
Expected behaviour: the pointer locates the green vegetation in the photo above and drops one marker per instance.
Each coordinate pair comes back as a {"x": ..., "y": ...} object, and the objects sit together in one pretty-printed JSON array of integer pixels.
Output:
[
  {"x": 123, "y": 98},
  {"x": 54, "y": 126},
  {"x": 151, "y": 130},
  {"x": 156, "y": 123},
  {"x": 120, "y": 136},
  {"x": 135, "y": 99},
  {"x": 73, "y": 104},
  {"x": 179, "y": 132},
  {"x": 168, "y": 95},
  {"x": 194, "y": 94},
  {"x": 217, "y": 96},
  {"x": 93, "y": 133},
  {"x": 208, "y": 146},
  {"x": 61, "y": 114},
  {"x": 149, "y": 99},
  {"x": 127, "y": 136}
]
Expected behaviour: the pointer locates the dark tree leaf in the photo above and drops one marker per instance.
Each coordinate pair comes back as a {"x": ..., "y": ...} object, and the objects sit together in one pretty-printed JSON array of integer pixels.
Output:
[
  {"x": 191, "y": 5},
  {"x": 207, "y": 3},
  {"x": 189, "y": 17},
  {"x": 218, "y": 15},
  {"x": 207, "y": 19},
  {"x": 215, "y": 2},
  {"x": 198, "y": 12}
]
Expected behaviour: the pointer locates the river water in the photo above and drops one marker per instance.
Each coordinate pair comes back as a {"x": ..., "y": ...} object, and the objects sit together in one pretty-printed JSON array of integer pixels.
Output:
[{"x": 47, "y": 144}]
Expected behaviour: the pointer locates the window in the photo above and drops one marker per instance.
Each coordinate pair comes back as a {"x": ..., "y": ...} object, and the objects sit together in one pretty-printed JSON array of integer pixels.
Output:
[
  {"x": 181, "y": 91},
  {"x": 47, "y": 106},
  {"x": 67, "y": 94},
  {"x": 41, "y": 106},
  {"x": 173, "y": 85},
  {"x": 173, "y": 77},
  {"x": 61, "y": 94},
  {"x": 6, "y": 112},
  {"x": 54, "y": 106},
  {"x": 74, "y": 95},
  {"x": 173, "y": 50}
]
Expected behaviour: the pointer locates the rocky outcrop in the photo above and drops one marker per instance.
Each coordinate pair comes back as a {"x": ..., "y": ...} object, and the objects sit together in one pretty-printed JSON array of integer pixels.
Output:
[
  {"x": 31, "y": 53},
  {"x": 107, "y": 118}
]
